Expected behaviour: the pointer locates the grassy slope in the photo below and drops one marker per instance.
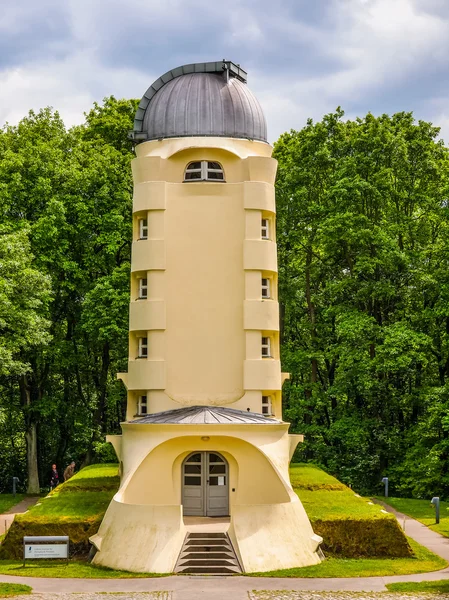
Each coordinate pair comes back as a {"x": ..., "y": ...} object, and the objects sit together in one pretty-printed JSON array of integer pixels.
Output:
[
  {"x": 423, "y": 511},
  {"x": 7, "y": 501},
  {"x": 350, "y": 525},
  {"x": 74, "y": 508},
  {"x": 325, "y": 497}
]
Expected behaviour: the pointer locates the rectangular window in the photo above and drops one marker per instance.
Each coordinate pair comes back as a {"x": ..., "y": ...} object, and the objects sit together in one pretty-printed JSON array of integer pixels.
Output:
[
  {"x": 265, "y": 229},
  {"x": 143, "y": 288},
  {"x": 266, "y": 406},
  {"x": 266, "y": 287},
  {"x": 143, "y": 347},
  {"x": 266, "y": 347},
  {"x": 143, "y": 229},
  {"x": 142, "y": 406}
]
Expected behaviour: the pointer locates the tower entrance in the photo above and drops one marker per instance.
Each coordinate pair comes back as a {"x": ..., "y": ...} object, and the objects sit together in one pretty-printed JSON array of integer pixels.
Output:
[{"x": 205, "y": 485}]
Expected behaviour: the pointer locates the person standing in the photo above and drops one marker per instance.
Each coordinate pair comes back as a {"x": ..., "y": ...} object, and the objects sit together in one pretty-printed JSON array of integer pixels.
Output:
[
  {"x": 54, "y": 477},
  {"x": 70, "y": 470}
]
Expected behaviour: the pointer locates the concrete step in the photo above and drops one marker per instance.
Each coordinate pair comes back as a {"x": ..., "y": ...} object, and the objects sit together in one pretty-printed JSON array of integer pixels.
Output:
[
  {"x": 208, "y": 553},
  {"x": 210, "y": 571},
  {"x": 206, "y": 549}
]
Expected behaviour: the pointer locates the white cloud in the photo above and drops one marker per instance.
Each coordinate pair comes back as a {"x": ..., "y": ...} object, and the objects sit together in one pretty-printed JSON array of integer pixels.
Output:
[{"x": 352, "y": 54}]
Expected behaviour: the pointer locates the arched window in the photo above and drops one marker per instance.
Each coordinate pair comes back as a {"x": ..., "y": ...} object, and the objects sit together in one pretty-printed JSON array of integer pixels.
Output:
[{"x": 204, "y": 170}]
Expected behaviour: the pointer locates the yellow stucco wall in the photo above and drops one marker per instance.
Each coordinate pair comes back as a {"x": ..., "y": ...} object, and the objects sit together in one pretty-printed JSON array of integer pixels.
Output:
[
  {"x": 204, "y": 319},
  {"x": 268, "y": 526},
  {"x": 204, "y": 259}
]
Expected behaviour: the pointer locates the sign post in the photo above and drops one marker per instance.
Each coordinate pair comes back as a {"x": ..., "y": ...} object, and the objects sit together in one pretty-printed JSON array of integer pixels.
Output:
[{"x": 46, "y": 546}]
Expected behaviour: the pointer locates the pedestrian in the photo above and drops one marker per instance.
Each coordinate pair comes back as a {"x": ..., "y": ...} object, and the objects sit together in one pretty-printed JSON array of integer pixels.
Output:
[
  {"x": 70, "y": 470},
  {"x": 54, "y": 478}
]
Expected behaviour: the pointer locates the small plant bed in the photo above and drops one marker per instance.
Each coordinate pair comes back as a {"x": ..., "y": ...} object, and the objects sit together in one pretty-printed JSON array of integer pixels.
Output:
[
  {"x": 75, "y": 508},
  {"x": 351, "y": 526},
  {"x": 422, "y": 511},
  {"x": 8, "y": 590},
  {"x": 79, "y": 569},
  {"x": 424, "y": 561},
  {"x": 410, "y": 587},
  {"x": 7, "y": 501}
]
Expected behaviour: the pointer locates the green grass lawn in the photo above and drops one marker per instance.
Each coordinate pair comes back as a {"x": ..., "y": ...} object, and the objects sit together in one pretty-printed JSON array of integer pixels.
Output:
[
  {"x": 422, "y": 511},
  {"x": 423, "y": 562},
  {"x": 440, "y": 587},
  {"x": 13, "y": 589},
  {"x": 60, "y": 569},
  {"x": 86, "y": 495},
  {"x": 7, "y": 501},
  {"x": 325, "y": 497}
]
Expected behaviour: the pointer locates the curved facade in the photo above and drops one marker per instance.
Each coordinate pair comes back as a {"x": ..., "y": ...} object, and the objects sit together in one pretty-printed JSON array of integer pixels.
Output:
[{"x": 204, "y": 376}]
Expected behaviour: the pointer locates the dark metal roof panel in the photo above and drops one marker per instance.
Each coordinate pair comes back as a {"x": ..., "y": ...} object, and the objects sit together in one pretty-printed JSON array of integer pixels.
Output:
[
  {"x": 204, "y": 99},
  {"x": 209, "y": 415}
]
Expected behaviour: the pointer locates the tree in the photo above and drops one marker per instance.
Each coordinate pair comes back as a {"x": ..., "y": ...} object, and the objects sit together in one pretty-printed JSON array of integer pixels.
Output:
[
  {"x": 24, "y": 300},
  {"x": 362, "y": 234},
  {"x": 72, "y": 190}
]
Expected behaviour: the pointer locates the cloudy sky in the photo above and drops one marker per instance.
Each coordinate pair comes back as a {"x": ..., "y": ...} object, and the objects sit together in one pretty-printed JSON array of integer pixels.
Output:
[{"x": 304, "y": 57}]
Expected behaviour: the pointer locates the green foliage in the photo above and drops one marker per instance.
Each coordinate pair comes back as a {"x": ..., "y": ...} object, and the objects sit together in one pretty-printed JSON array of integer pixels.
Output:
[
  {"x": 350, "y": 526},
  {"x": 24, "y": 297},
  {"x": 65, "y": 227},
  {"x": 363, "y": 223},
  {"x": 424, "y": 561}
]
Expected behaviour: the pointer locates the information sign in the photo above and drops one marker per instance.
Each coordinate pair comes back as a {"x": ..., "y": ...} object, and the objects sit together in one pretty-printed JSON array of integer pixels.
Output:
[{"x": 46, "y": 551}]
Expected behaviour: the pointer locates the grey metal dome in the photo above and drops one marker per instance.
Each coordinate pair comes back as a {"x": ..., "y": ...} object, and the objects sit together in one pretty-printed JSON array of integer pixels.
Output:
[{"x": 205, "y": 99}]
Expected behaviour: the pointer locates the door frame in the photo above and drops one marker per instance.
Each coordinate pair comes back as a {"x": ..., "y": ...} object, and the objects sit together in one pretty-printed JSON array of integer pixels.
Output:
[{"x": 205, "y": 487}]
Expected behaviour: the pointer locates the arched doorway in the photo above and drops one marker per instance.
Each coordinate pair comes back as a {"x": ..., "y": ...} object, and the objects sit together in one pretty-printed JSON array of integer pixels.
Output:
[{"x": 205, "y": 485}]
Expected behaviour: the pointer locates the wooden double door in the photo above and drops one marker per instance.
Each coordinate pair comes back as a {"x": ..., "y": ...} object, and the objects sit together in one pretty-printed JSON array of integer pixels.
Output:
[{"x": 205, "y": 485}]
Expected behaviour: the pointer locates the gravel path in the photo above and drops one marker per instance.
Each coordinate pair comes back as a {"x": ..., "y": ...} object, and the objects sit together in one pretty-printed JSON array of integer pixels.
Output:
[
  {"x": 271, "y": 595},
  {"x": 255, "y": 595}
]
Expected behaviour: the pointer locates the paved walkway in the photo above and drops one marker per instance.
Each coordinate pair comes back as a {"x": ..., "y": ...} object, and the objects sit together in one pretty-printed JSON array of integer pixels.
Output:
[
  {"x": 7, "y": 518},
  {"x": 243, "y": 588}
]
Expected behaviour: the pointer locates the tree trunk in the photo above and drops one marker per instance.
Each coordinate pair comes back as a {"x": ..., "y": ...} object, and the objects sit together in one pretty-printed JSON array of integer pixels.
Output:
[{"x": 30, "y": 438}]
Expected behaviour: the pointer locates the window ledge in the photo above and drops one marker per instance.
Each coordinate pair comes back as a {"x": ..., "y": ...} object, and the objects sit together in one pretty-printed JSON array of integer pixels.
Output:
[{"x": 204, "y": 181}]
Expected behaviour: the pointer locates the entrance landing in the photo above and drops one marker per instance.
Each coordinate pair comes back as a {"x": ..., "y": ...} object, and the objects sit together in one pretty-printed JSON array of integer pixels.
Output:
[{"x": 207, "y": 524}]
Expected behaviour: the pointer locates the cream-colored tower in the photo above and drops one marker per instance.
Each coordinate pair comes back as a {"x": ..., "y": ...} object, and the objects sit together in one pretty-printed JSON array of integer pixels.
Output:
[{"x": 204, "y": 435}]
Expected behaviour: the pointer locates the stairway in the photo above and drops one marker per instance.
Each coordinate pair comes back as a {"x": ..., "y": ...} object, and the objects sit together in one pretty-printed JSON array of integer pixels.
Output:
[{"x": 207, "y": 554}]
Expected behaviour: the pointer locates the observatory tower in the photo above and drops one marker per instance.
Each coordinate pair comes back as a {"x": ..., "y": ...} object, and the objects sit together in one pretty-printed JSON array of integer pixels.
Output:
[{"x": 204, "y": 443}]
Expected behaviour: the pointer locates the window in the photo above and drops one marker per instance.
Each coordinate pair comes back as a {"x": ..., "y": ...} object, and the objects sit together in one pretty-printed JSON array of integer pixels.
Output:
[
  {"x": 266, "y": 287},
  {"x": 266, "y": 347},
  {"x": 204, "y": 171},
  {"x": 143, "y": 229},
  {"x": 143, "y": 347},
  {"x": 265, "y": 229},
  {"x": 143, "y": 288},
  {"x": 266, "y": 406},
  {"x": 142, "y": 406}
]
